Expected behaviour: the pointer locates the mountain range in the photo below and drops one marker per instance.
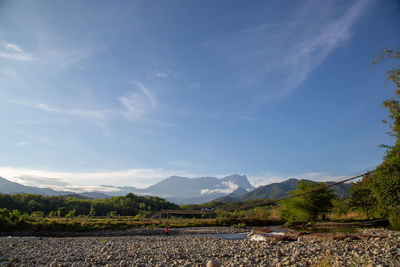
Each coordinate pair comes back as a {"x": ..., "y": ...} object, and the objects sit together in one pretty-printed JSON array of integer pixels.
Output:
[
  {"x": 8, "y": 187},
  {"x": 278, "y": 190},
  {"x": 182, "y": 190}
]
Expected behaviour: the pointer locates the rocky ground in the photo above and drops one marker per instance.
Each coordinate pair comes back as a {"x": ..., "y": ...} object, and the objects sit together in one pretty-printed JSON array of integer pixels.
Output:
[{"x": 372, "y": 247}]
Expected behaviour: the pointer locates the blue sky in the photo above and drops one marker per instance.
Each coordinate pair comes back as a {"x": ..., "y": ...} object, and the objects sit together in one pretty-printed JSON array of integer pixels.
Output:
[{"x": 131, "y": 92}]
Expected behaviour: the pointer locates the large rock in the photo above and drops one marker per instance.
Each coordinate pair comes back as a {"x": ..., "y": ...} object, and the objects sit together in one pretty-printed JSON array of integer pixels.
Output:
[{"x": 212, "y": 263}]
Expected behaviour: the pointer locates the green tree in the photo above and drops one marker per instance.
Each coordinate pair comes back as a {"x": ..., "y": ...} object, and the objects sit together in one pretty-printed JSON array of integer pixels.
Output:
[
  {"x": 362, "y": 197},
  {"x": 307, "y": 207},
  {"x": 52, "y": 213},
  {"x": 71, "y": 214},
  {"x": 92, "y": 211},
  {"x": 142, "y": 206},
  {"x": 62, "y": 211},
  {"x": 386, "y": 181}
]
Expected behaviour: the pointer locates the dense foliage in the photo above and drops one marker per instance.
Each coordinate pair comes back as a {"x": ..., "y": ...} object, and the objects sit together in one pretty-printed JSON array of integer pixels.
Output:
[
  {"x": 129, "y": 205},
  {"x": 307, "y": 207},
  {"x": 362, "y": 197},
  {"x": 379, "y": 193}
]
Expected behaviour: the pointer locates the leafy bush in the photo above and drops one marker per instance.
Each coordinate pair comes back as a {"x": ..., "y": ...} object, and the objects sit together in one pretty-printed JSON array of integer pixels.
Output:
[
  {"x": 37, "y": 214},
  {"x": 394, "y": 219}
]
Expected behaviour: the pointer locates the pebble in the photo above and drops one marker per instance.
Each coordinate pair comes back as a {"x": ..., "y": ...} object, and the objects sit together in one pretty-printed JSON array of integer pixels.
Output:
[{"x": 189, "y": 249}]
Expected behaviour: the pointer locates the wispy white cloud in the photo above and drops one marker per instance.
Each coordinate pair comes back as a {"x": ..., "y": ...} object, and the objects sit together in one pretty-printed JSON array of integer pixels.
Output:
[
  {"x": 58, "y": 53},
  {"x": 97, "y": 115},
  {"x": 14, "y": 52},
  {"x": 14, "y": 47},
  {"x": 138, "y": 103},
  {"x": 281, "y": 56},
  {"x": 71, "y": 57},
  {"x": 16, "y": 56},
  {"x": 161, "y": 74},
  {"x": 88, "y": 181},
  {"x": 230, "y": 187},
  {"x": 134, "y": 105},
  {"x": 244, "y": 117}
]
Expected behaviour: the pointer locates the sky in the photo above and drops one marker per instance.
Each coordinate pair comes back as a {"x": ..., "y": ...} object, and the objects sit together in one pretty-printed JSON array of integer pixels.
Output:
[{"x": 132, "y": 92}]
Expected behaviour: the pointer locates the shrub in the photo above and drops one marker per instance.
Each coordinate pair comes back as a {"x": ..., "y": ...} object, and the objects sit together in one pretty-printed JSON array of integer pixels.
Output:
[
  {"x": 37, "y": 214},
  {"x": 62, "y": 211},
  {"x": 394, "y": 219}
]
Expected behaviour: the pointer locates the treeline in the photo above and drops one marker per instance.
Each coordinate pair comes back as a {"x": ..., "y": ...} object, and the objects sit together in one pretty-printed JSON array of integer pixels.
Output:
[
  {"x": 219, "y": 205},
  {"x": 129, "y": 205}
]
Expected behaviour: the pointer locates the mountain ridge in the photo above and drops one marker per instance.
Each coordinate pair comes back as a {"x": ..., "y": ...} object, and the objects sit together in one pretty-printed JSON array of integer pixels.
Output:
[
  {"x": 280, "y": 190},
  {"x": 9, "y": 187}
]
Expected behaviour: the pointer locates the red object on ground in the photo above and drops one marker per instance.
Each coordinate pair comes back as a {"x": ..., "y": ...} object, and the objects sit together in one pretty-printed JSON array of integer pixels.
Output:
[{"x": 166, "y": 230}]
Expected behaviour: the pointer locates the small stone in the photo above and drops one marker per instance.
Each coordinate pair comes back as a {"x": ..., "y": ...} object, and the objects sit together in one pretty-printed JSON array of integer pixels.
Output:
[
  {"x": 212, "y": 263},
  {"x": 279, "y": 264}
]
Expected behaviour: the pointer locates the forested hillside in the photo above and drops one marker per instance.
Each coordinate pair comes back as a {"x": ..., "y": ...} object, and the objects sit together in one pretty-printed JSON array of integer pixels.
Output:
[{"x": 128, "y": 205}]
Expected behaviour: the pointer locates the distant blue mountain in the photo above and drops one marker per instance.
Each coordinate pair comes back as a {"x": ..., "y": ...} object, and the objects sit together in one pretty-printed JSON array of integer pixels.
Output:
[
  {"x": 182, "y": 190},
  {"x": 8, "y": 187}
]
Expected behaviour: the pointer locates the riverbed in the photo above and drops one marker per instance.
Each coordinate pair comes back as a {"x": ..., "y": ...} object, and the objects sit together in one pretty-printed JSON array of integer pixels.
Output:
[{"x": 377, "y": 247}]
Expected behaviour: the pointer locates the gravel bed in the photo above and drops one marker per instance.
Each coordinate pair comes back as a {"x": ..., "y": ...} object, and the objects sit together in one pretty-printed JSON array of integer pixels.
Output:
[
  {"x": 129, "y": 232},
  {"x": 372, "y": 247}
]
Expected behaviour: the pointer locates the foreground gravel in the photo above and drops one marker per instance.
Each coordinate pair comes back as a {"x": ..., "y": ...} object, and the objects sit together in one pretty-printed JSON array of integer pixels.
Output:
[{"x": 368, "y": 248}]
